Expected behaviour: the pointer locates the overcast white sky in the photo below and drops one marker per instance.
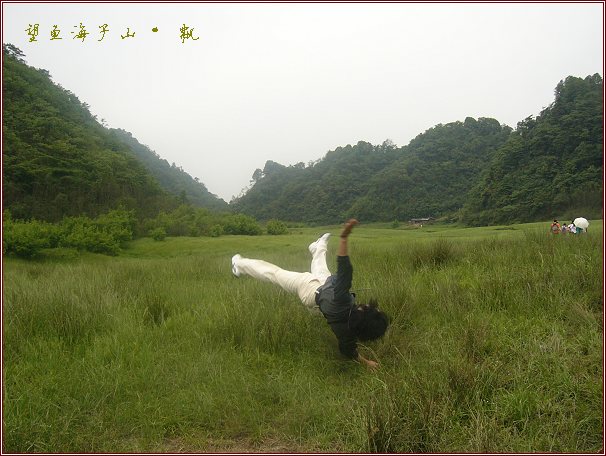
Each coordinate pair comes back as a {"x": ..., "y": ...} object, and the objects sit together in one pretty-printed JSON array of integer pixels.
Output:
[{"x": 289, "y": 82}]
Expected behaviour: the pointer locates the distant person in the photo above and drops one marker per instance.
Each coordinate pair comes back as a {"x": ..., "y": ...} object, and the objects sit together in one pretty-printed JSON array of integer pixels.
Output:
[
  {"x": 572, "y": 229},
  {"x": 555, "y": 227},
  {"x": 564, "y": 229},
  {"x": 348, "y": 320}
]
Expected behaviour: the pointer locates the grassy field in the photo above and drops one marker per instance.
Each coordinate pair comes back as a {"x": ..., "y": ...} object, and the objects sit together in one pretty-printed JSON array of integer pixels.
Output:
[{"x": 495, "y": 346}]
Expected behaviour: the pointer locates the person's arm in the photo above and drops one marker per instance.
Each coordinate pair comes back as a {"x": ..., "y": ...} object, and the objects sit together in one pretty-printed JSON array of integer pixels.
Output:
[
  {"x": 344, "y": 268},
  {"x": 348, "y": 347},
  {"x": 344, "y": 235},
  {"x": 372, "y": 365},
  {"x": 342, "y": 252}
]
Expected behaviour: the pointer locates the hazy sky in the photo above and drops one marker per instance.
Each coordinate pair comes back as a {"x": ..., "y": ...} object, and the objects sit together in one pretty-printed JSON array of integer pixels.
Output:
[{"x": 289, "y": 82}]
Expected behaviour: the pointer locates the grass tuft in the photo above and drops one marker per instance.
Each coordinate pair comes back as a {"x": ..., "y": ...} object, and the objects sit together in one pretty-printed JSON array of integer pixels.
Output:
[{"x": 436, "y": 254}]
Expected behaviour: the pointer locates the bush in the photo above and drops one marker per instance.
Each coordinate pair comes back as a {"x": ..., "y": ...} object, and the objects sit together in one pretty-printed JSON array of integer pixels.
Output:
[
  {"x": 26, "y": 238},
  {"x": 119, "y": 224},
  {"x": 105, "y": 234},
  {"x": 241, "y": 224},
  {"x": 179, "y": 228},
  {"x": 158, "y": 234},
  {"x": 215, "y": 231},
  {"x": 189, "y": 221},
  {"x": 83, "y": 234},
  {"x": 276, "y": 227}
]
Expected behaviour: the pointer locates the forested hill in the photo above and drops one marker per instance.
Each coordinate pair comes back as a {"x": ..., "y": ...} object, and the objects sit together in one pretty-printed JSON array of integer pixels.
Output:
[
  {"x": 434, "y": 173},
  {"x": 475, "y": 171},
  {"x": 58, "y": 160},
  {"x": 171, "y": 177},
  {"x": 320, "y": 193},
  {"x": 429, "y": 177},
  {"x": 551, "y": 166}
]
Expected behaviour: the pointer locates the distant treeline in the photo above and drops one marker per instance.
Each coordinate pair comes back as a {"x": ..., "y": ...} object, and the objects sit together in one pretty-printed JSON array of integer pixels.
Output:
[
  {"x": 60, "y": 162},
  {"x": 477, "y": 172},
  {"x": 110, "y": 232},
  {"x": 71, "y": 182},
  {"x": 550, "y": 166}
]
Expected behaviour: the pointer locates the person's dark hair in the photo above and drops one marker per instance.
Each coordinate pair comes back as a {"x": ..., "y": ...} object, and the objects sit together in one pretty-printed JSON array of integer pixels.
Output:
[{"x": 370, "y": 323}]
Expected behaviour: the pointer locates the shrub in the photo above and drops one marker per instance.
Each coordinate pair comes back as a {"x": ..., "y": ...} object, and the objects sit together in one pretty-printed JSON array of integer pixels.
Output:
[
  {"x": 119, "y": 224},
  {"x": 26, "y": 238},
  {"x": 179, "y": 228},
  {"x": 102, "y": 235},
  {"x": 215, "y": 231},
  {"x": 82, "y": 234},
  {"x": 189, "y": 221},
  {"x": 241, "y": 224},
  {"x": 276, "y": 227},
  {"x": 158, "y": 234},
  {"x": 105, "y": 234},
  {"x": 434, "y": 255}
]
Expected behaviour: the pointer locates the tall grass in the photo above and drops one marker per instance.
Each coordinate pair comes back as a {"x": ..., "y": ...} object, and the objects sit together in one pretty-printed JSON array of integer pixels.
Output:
[{"x": 495, "y": 345}]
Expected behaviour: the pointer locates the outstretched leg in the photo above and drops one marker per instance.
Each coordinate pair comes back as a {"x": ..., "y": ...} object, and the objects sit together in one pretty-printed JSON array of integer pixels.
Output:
[
  {"x": 301, "y": 283},
  {"x": 318, "y": 248}
]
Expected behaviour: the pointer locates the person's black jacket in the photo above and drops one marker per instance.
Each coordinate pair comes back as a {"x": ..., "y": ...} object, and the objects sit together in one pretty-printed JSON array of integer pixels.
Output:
[{"x": 337, "y": 305}]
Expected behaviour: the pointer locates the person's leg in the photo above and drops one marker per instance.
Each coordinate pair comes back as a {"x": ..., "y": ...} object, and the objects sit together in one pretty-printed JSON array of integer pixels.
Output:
[
  {"x": 301, "y": 283},
  {"x": 319, "y": 268}
]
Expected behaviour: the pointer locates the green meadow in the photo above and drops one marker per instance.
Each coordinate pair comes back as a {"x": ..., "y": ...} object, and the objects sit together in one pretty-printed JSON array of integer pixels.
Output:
[{"x": 495, "y": 345}]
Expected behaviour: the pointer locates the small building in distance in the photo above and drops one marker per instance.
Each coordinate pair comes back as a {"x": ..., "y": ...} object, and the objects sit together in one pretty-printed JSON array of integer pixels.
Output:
[{"x": 418, "y": 222}]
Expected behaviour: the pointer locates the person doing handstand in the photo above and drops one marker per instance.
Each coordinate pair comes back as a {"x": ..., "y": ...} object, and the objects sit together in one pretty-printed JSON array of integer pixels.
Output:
[{"x": 348, "y": 320}]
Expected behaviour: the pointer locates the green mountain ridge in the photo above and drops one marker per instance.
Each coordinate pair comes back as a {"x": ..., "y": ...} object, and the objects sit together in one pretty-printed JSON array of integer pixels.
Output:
[
  {"x": 58, "y": 160},
  {"x": 550, "y": 166},
  {"x": 171, "y": 177},
  {"x": 476, "y": 171}
]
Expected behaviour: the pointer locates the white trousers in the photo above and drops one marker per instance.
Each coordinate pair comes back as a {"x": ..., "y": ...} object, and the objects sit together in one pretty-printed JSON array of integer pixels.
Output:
[{"x": 304, "y": 284}]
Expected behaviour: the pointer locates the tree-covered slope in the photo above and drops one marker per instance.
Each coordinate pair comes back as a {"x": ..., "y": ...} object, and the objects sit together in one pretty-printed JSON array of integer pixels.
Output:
[
  {"x": 171, "y": 177},
  {"x": 551, "y": 166},
  {"x": 434, "y": 173},
  {"x": 319, "y": 193},
  {"x": 476, "y": 171},
  {"x": 58, "y": 160},
  {"x": 429, "y": 177}
]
